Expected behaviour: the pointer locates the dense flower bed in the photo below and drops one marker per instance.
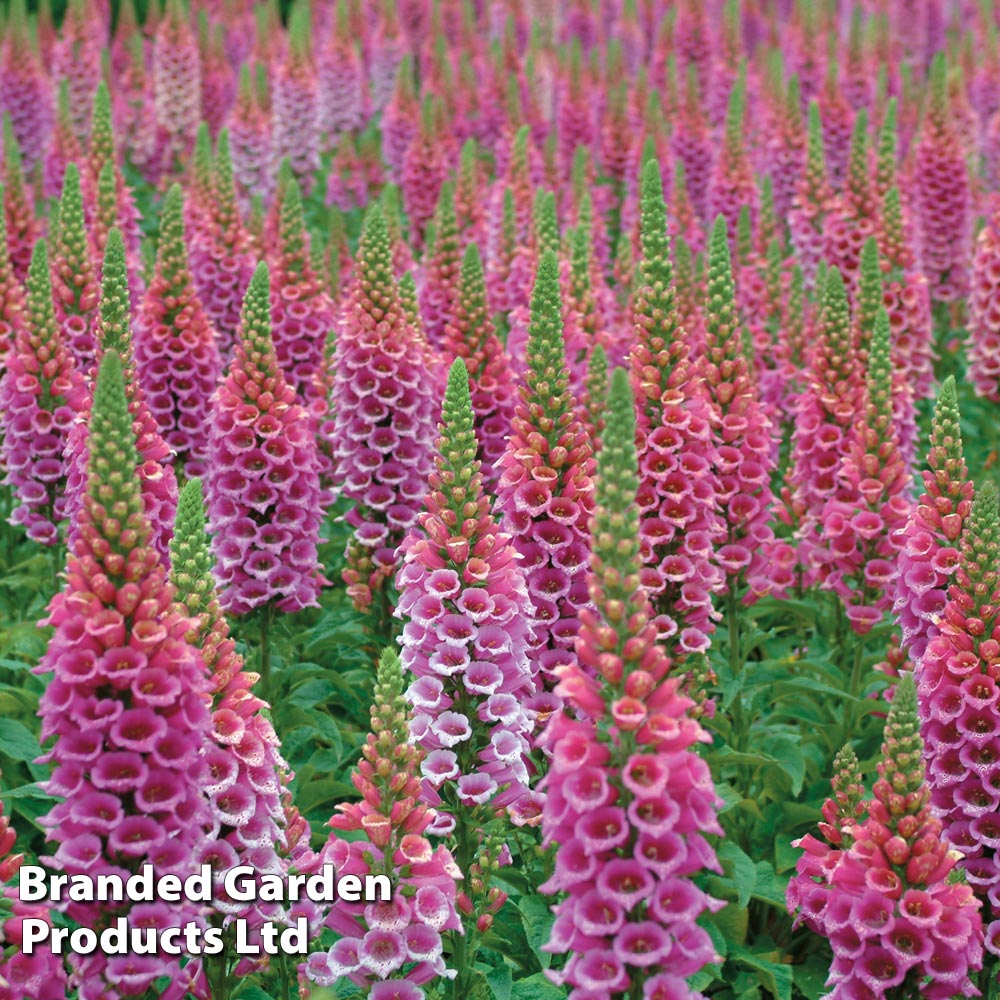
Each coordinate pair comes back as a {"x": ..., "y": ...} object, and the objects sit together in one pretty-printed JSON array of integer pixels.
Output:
[{"x": 554, "y": 440}]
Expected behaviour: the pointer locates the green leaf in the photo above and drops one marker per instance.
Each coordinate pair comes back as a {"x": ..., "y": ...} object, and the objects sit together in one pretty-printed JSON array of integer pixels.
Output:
[
  {"x": 27, "y": 792},
  {"x": 500, "y": 981},
  {"x": 740, "y": 868},
  {"x": 252, "y": 992},
  {"x": 786, "y": 857},
  {"x": 811, "y": 976},
  {"x": 787, "y": 751},
  {"x": 773, "y": 976},
  {"x": 537, "y": 917},
  {"x": 17, "y": 741},
  {"x": 719, "y": 941},
  {"x": 326, "y": 792},
  {"x": 312, "y": 693},
  {"x": 732, "y": 922},
  {"x": 536, "y": 987},
  {"x": 770, "y": 887}
]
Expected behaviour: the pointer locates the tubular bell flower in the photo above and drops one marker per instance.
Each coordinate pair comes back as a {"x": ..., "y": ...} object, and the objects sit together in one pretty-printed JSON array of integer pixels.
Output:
[
  {"x": 177, "y": 79},
  {"x": 983, "y": 348},
  {"x": 467, "y": 635},
  {"x": 732, "y": 183},
  {"x": 384, "y": 420},
  {"x": 41, "y": 392},
  {"x": 628, "y": 798},
  {"x": 39, "y": 976},
  {"x": 425, "y": 167},
  {"x": 942, "y": 198},
  {"x": 959, "y": 721},
  {"x": 786, "y": 148},
  {"x": 824, "y": 413},
  {"x": 127, "y": 705},
  {"x": 398, "y": 942},
  {"x": 12, "y": 305},
  {"x": 881, "y": 892},
  {"x": 76, "y": 57},
  {"x": 342, "y": 83},
  {"x": 441, "y": 268},
  {"x": 218, "y": 86},
  {"x": 250, "y": 130},
  {"x": 76, "y": 290},
  {"x": 469, "y": 334},
  {"x": 930, "y": 552},
  {"x": 302, "y": 314},
  {"x": 400, "y": 118},
  {"x": 63, "y": 148},
  {"x": 156, "y": 474},
  {"x": 545, "y": 496},
  {"x": 23, "y": 228},
  {"x": 806, "y": 219},
  {"x": 176, "y": 356},
  {"x": 296, "y": 112},
  {"x": 680, "y": 520},
  {"x": 744, "y": 454},
  {"x": 25, "y": 87},
  {"x": 247, "y": 777},
  {"x": 853, "y": 214},
  {"x": 264, "y": 507},
  {"x": 905, "y": 292},
  {"x": 692, "y": 144},
  {"x": 861, "y": 525},
  {"x": 220, "y": 255},
  {"x": 108, "y": 201}
]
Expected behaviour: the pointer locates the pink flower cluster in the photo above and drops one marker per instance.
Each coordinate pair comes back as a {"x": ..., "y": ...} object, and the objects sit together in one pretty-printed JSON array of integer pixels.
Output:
[
  {"x": 824, "y": 414},
  {"x": 879, "y": 890},
  {"x": 906, "y": 298},
  {"x": 680, "y": 521},
  {"x": 440, "y": 268},
  {"x": 220, "y": 255},
  {"x": 295, "y": 131},
  {"x": 127, "y": 705},
  {"x": 156, "y": 474},
  {"x": 176, "y": 355},
  {"x": 250, "y": 134},
  {"x": 244, "y": 773},
  {"x": 390, "y": 948},
  {"x": 384, "y": 419},
  {"x": 958, "y": 688},
  {"x": 628, "y": 801},
  {"x": 806, "y": 218},
  {"x": 264, "y": 501},
  {"x": 861, "y": 525},
  {"x": 546, "y": 490},
  {"x": 176, "y": 80},
  {"x": 39, "y": 976},
  {"x": 41, "y": 393},
  {"x": 25, "y": 91},
  {"x": 930, "y": 551},
  {"x": 74, "y": 276},
  {"x": 627, "y": 843},
  {"x": 744, "y": 454},
  {"x": 466, "y": 637},
  {"x": 302, "y": 314},
  {"x": 943, "y": 201},
  {"x": 852, "y": 215},
  {"x": 470, "y": 334},
  {"x": 983, "y": 350}
]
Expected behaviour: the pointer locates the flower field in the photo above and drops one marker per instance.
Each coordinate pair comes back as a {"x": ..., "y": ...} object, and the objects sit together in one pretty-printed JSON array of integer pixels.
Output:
[{"x": 499, "y": 500}]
